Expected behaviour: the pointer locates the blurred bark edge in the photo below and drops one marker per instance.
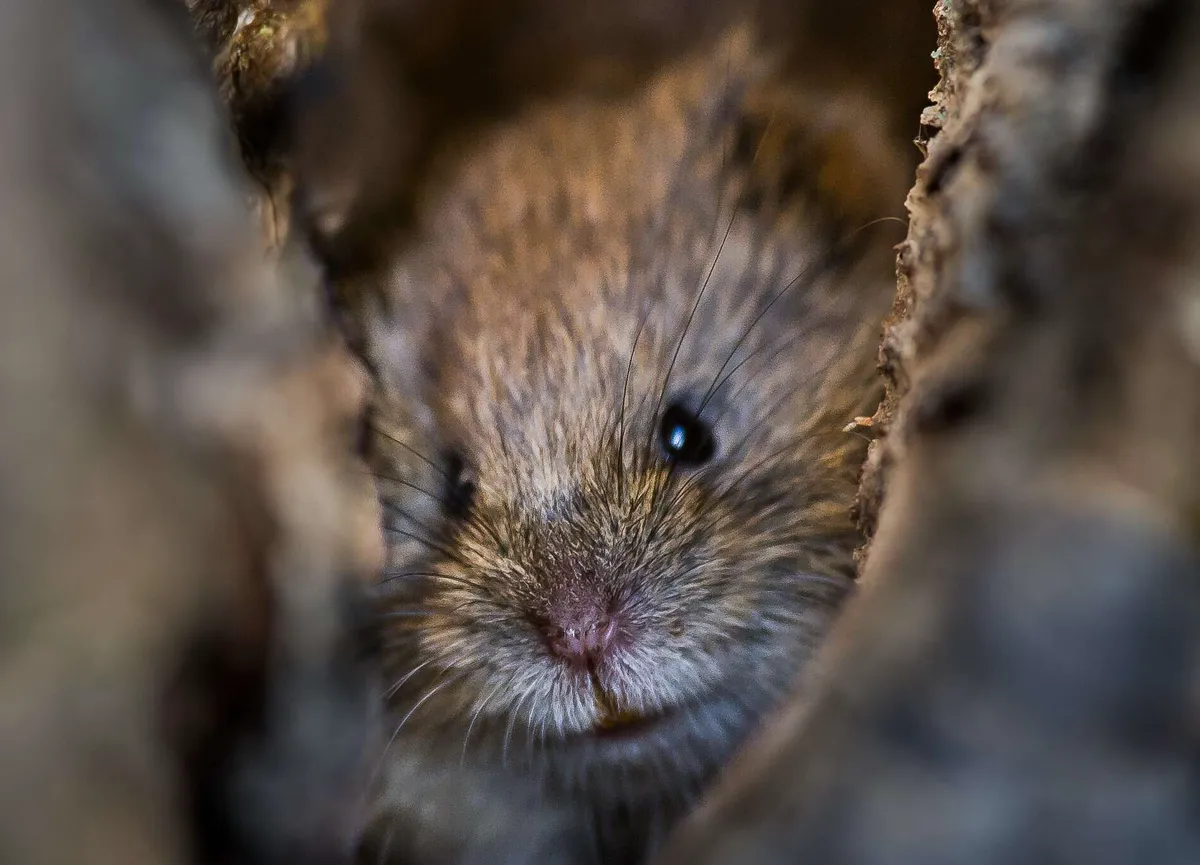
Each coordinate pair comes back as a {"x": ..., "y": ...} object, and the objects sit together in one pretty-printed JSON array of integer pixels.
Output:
[
  {"x": 1018, "y": 679},
  {"x": 183, "y": 535}
]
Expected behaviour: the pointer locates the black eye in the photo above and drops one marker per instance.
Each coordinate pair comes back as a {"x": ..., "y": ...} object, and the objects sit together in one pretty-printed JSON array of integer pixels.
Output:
[
  {"x": 460, "y": 488},
  {"x": 686, "y": 439}
]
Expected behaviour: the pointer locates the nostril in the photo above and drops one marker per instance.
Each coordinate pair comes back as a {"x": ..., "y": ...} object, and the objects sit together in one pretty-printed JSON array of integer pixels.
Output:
[{"x": 580, "y": 637}]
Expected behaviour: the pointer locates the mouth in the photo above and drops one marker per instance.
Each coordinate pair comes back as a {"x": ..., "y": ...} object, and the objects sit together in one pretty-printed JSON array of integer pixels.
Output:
[
  {"x": 627, "y": 726},
  {"x": 615, "y": 723}
]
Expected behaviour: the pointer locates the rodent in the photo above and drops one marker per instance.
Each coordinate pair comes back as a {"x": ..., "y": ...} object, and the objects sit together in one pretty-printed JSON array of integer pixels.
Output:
[{"x": 615, "y": 367}]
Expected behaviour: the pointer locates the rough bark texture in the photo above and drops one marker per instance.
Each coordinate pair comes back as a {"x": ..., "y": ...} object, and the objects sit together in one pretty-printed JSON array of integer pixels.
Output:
[
  {"x": 1060, "y": 118},
  {"x": 961, "y": 49}
]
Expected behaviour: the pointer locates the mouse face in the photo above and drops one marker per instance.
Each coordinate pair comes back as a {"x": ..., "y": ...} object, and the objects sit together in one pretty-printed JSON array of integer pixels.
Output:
[{"x": 616, "y": 368}]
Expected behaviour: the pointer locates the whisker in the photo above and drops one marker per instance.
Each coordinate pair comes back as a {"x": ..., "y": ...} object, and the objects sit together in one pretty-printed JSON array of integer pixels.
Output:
[
  {"x": 688, "y": 323},
  {"x": 721, "y": 194},
  {"x": 660, "y": 483},
  {"x": 780, "y": 346},
  {"x": 391, "y": 692},
  {"x": 428, "y": 694},
  {"x": 764, "y": 419},
  {"x": 437, "y": 548},
  {"x": 717, "y": 380},
  {"x": 682, "y": 490},
  {"x": 749, "y": 470},
  {"x": 624, "y": 396},
  {"x": 530, "y": 734},
  {"x": 389, "y": 576},
  {"x": 395, "y": 480},
  {"x": 483, "y": 527},
  {"x": 840, "y": 253},
  {"x": 512, "y": 720},
  {"x": 475, "y": 717},
  {"x": 529, "y": 724},
  {"x": 422, "y": 457},
  {"x": 393, "y": 508},
  {"x": 379, "y": 767}
]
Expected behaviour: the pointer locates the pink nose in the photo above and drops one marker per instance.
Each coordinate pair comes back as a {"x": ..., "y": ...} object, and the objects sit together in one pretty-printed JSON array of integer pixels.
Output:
[{"x": 582, "y": 633}]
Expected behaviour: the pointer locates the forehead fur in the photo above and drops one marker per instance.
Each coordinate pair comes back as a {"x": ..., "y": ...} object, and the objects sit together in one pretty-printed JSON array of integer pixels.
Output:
[{"x": 588, "y": 226}]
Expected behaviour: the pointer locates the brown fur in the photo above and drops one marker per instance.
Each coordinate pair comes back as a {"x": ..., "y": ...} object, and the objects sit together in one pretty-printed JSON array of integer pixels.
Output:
[{"x": 536, "y": 329}]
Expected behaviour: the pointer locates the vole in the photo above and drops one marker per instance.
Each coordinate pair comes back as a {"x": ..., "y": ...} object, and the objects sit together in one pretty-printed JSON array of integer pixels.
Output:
[{"x": 616, "y": 365}]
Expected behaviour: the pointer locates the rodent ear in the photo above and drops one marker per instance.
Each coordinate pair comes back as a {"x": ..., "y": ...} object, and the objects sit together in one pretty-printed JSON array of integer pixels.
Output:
[{"x": 838, "y": 117}]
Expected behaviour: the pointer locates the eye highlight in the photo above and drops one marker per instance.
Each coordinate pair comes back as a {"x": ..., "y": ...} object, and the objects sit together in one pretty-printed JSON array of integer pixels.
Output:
[{"x": 686, "y": 440}]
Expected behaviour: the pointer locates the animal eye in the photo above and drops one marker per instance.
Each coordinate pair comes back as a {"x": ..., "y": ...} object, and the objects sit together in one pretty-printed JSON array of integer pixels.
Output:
[
  {"x": 686, "y": 439},
  {"x": 460, "y": 487}
]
